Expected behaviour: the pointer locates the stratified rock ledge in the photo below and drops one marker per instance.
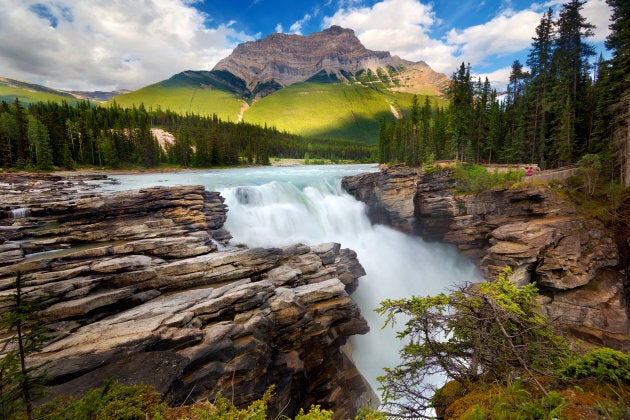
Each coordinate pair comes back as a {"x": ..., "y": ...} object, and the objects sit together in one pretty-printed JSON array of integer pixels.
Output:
[{"x": 145, "y": 289}]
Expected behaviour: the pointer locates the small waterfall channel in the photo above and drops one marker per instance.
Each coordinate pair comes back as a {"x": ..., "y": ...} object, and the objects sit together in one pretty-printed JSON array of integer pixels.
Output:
[
  {"x": 20, "y": 213},
  {"x": 282, "y": 206}
]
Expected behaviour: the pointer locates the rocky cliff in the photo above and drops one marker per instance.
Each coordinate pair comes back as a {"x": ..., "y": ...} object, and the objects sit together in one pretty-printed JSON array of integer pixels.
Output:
[
  {"x": 145, "y": 289},
  {"x": 280, "y": 60},
  {"x": 573, "y": 260}
]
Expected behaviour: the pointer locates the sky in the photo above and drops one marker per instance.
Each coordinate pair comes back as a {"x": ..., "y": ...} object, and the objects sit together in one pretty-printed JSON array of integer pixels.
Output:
[{"x": 128, "y": 44}]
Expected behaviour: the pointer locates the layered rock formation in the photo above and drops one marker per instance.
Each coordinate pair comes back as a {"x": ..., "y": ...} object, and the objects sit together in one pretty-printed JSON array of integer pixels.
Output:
[
  {"x": 280, "y": 60},
  {"x": 144, "y": 289},
  {"x": 573, "y": 260}
]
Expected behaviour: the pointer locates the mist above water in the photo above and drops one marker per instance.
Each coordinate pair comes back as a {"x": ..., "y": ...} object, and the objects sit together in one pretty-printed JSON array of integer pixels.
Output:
[{"x": 282, "y": 206}]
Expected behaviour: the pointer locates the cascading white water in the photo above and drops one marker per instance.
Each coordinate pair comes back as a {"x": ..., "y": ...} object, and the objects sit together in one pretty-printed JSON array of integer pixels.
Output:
[
  {"x": 282, "y": 206},
  {"x": 397, "y": 265},
  {"x": 20, "y": 213}
]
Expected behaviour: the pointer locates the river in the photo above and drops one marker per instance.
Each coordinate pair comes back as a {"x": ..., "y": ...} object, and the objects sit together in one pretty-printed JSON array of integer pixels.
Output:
[{"x": 277, "y": 206}]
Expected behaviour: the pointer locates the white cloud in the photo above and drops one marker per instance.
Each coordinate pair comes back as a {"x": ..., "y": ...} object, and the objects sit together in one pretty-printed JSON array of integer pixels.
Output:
[
  {"x": 505, "y": 34},
  {"x": 279, "y": 28},
  {"x": 109, "y": 45},
  {"x": 598, "y": 13},
  {"x": 498, "y": 78},
  {"x": 296, "y": 28}
]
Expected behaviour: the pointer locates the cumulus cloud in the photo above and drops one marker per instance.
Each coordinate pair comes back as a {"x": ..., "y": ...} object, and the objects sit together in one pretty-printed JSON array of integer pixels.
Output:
[
  {"x": 598, "y": 13},
  {"x": 93, "y": 44},
  {"x": 296, "y": 28},
  {"x": 401, "y": 27},
  {"x": 503, "y": 35},
  {"x": 498, "y": 78}
]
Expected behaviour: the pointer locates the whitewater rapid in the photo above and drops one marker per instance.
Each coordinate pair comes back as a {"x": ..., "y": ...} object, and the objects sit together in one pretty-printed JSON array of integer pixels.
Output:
[{"x": 282, "y": 206}]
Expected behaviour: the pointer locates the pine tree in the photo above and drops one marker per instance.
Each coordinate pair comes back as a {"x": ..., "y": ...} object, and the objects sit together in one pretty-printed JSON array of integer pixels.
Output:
[
  {"x": 570, "y": 63},
  {"x": 461, "y": 94},
  {"x": 7, "y": 139},
  {"x": 619, "y": 84},
  {"x": 539, "y": 62},
  {"x": 21, "y": 133},
  {"x": 21, "y": 385},
  {"x": 496, "y": 132},
  {"x": 44, "y": 151},
  {"x": 515, "y": 115}
]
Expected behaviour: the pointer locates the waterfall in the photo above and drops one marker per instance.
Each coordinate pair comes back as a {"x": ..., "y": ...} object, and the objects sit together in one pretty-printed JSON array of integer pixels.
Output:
[
  {"x": 276, "y": 206},
  {"x": 397, "y": 265},
  {"x": 20, "y": 213}
]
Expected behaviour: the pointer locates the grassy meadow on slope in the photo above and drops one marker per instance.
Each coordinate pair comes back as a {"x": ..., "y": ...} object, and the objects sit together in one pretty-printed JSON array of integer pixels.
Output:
[
  {"x": 187, "y": 92},
  {"x": 328, "y": 110},
  {"x": 27, "y": 96}
]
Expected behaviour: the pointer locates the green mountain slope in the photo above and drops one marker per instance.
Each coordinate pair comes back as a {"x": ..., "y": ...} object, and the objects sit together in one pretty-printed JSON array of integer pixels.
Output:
[
  {"x": 188, "y": 92},
  {"x": 328, "y": 110},
  {"x": 31, "y": 93},
  {"x": 327, "y": 107}
]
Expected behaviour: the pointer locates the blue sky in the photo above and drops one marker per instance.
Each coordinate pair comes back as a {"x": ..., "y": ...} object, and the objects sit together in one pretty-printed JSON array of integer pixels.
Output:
[{"x": 106, "y": 45}]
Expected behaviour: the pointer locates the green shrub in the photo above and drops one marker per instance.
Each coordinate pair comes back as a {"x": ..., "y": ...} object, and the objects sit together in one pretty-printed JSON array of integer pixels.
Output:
[
  {"x": 314, "y": 413},
  {"x": 547, "y": 407},
  {"x": 111, "y": 401},
  {"x": 370, "y": 414},
  {"x": 604, "y": 364},
  {"x": 476, "y": 178},
  {"x": 223, "y": 409}
]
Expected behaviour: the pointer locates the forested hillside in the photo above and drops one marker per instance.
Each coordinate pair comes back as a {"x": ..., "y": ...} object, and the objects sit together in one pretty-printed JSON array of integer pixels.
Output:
[
  {"x": 56, "y": 135},
  {"x": 559, "y": 110}
]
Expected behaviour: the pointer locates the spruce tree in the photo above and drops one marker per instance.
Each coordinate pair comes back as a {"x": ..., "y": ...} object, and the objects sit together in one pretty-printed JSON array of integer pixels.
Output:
[
  {"x": 618, "y": 42},
  {"x": 460, "y": 93},
  {"x": 570, "y": 63},
  {"x": 21, "y": 384},
  {"x": 539, "y": 62}
]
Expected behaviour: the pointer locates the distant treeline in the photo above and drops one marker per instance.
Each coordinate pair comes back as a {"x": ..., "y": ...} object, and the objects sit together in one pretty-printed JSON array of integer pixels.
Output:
[
  {"x": 43, "y": 136},
  {"x": 558, "y": 111}
]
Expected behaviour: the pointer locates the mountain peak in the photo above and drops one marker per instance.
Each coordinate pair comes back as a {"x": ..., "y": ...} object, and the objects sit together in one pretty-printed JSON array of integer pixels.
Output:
[
  {"x": 279, "y": 60},
  {"x": 338, "y": 30}
]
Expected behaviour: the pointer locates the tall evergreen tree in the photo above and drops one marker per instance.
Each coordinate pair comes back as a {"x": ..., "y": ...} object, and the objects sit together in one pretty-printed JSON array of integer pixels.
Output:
[
  {"x": 571, "y": 67},
  {"x": 21, "y": 133},
  {"x": 24, "y": 334},
  {"x": 515, "y": 115},
  {"x": 618, "y": 42},
  {"x": 461, "y": 94},
  {"x": 539, "y": 62}
]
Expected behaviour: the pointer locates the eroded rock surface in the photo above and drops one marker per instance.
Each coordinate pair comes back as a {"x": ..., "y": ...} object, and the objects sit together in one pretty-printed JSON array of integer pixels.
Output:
[
  {"x": 529, "y": 227},
  {"x": 261, "y": 67},
  {"x": 389, "y": 194},
  {"x": 145, "y": 289}
]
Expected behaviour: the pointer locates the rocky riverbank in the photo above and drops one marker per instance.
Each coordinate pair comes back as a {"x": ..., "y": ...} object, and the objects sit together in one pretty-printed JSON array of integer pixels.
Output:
[
  {"x": 573, "y": 260},
  {"x": 145, "y": 288}
]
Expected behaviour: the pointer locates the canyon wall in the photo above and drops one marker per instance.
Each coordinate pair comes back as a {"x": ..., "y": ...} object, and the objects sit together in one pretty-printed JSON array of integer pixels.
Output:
[{"x": 574, "y": 260}]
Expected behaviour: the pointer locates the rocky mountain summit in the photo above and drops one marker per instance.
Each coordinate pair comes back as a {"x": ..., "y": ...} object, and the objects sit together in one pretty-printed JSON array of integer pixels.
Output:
[
  {"x": 573, "y": 260},
  {"x": 145, "y": 288},
  {"x": 280, "y": 60}
]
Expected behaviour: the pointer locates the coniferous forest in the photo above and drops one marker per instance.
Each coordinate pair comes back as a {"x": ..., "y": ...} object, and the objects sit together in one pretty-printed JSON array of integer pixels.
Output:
[
  {"x": 559, "y": 110},
  {"x": 51, "y": 135}
]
